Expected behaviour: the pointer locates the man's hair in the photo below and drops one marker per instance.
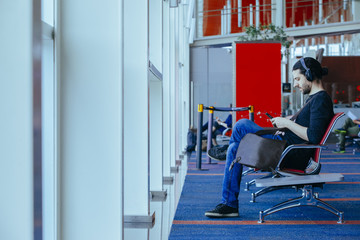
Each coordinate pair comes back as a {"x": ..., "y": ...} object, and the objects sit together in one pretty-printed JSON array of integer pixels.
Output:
[{"x": 317, "y": 72}]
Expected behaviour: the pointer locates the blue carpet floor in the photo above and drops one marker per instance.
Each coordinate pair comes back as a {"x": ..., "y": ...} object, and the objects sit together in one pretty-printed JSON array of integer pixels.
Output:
[{"x": 202, "y": 192}]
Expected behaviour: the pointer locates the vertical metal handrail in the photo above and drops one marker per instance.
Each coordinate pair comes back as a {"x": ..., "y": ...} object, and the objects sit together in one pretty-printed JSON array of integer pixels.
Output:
[
  {"x": 198, "y": 135},
  {"x": 251, "y": 113},
  {"x": 209, "y": 137}
]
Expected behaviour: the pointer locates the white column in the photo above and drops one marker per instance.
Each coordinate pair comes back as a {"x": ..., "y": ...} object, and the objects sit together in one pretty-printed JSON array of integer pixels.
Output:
[
  {"x": 190, "y": 12},
  {"x": 172, "y": 84},
  {"x": 49, "y": 140},
  {"x": 155, "y": 34},
  {"x": 49, "y": 200},
  {"x": 16, "y": 124},
  {"x": 278, "y": 12},
  {"x": 156, "y": 159},
  {"x": 185, "y": 104},
  {"x": 320, "y": 11},
  {"x": 251, "y": 15},
  {"x": 257, "y": 13},
  {"x": 306, "y": 40},
  {"x": 313, "y": 39},
  {"x": 166, "y": 90},
  {"x": 89, "y": 55},
  {"x": 155, "y": 98},
  {"x": 342, "y": 39},
  {"x": 355, "y": 9},
  {"x": 156, "y": 118},
  {"x": 173, "y": 80},
  {"x": 239, "y": 13},
  {"x": 199, "y": 8},
  {"x": 136, "y": 108},
  {"x": 185, "y": 69},
  {"x": 136, "y": 125},
  {"x": 181, "y": 33},
  {"x": 228, "y": 17},
  {"x": 167, "y": 141}
]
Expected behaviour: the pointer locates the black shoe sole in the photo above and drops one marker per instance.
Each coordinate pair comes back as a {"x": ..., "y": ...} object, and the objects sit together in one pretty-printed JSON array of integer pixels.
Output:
[
  {"x": 221, "y": 215},
  {"x": 215, "y": 158}
]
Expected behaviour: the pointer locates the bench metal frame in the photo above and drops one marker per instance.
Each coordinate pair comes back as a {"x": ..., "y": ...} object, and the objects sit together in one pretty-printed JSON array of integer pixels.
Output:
[{"x": 308, "y": 198}]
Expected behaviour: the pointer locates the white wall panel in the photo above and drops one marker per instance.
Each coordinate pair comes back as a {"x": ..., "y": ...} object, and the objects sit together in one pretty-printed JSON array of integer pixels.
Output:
[
  {"x": 48, "y": 121},
  {"x": 47, "y": 13},
  {"x": 156, "y": 135},
  {"x": 167, "y": 142},
  {"x": 211, "y": 72},
  {"x": 16, "y": 159},
  {"x": 172, "y": 84},
  {"x": 89, "y": 57},
  {"x": 166, "y": 88},
  {"x": 136, "y": 112},
  {"x": 155, "y": 33}
]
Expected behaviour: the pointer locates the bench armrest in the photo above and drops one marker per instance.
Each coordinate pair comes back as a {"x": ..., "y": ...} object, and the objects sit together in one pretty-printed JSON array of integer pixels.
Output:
[{"x": 297, "y": 146}]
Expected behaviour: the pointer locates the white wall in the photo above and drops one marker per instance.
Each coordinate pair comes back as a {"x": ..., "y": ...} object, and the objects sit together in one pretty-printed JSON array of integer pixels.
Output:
[
  {"x": 136, "y": 112},
  {"x": 49, "y": 141},
  {"x": 155, "y": 33},
  {"x": 16, "y": 125},
  {"x": 112, "y": 132},
  {"x": 212, "y": 74},
  {"x": 89, "y": 67}
]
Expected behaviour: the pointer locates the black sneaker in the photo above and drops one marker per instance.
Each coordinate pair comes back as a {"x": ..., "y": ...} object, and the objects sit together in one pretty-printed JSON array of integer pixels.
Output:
[
  {"x": 222, "y": 210},
  {"x": 218, "y": 152}
]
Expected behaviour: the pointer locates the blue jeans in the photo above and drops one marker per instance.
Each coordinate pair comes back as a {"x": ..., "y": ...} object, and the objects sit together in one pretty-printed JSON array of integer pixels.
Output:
[{"x": 232, "y": 179}]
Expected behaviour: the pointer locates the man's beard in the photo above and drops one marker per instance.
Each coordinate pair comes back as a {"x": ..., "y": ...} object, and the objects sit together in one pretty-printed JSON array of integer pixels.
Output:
[{"x": 306, "y": 89}]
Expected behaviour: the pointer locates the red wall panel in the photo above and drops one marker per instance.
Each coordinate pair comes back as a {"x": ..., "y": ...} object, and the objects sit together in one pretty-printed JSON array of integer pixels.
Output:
[
  {"x": 297, "y": 12},
  {"x": 212, "y": 15},
  {"x": 258, "y": 79}
]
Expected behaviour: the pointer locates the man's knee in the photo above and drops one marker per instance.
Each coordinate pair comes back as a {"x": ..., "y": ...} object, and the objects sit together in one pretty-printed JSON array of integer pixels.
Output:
[{"x": 242, "y": 122}]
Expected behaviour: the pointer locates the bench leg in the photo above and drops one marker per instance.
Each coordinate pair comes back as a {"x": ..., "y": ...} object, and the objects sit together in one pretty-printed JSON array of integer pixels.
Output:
[
  {"x": 308, "y": 198},
  {"x": 329, "y": 208},
  {"x": 247, "y": 184},
  {"x": 250, "y": 170},
  {"x": 252, "y": 182},
  {"x": 284, "y": 205},
  {"x": 266, "y": 190}
]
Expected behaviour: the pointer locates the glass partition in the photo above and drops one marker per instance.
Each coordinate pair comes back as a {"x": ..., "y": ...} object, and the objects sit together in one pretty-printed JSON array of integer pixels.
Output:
[{"x": 229, "y": 17}]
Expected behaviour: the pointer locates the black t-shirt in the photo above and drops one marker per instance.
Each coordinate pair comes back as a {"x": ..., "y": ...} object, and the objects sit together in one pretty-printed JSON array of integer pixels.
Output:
[{"x": 316, "y": 116}]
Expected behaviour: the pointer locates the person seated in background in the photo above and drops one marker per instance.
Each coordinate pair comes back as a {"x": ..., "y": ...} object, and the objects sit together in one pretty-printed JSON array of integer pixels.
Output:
[
  {"x": 309, "y": 127},
  {"x": 350, "y": 128},
  {"x": 218, "y": 127}
]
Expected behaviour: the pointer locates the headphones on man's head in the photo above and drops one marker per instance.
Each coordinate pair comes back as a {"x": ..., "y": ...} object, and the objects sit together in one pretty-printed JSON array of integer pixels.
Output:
[{"x": 308, "y": 74}]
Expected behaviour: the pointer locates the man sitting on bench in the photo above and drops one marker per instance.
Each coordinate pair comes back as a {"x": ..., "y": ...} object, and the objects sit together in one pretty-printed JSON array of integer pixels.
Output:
[
  {"x": 309, "y": 127},
  {"x": 350, "y": 128}
]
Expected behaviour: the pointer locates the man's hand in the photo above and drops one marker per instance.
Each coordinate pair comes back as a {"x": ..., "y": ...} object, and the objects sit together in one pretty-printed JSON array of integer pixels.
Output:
[
  {"x": 299, "y": 130},
  {"x": 279, "y": 133},
  {"x": 356, "y": 121},
  {"x": 281, "y": 122}
]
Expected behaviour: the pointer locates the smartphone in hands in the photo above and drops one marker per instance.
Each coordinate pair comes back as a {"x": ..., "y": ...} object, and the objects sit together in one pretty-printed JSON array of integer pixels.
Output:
[{"x": 267, "y": 114}]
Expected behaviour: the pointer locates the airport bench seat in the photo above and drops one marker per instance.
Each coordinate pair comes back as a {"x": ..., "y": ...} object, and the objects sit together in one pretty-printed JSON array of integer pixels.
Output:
[
  {"x": 308, "y": 198},
  {"x": 305, "y": 180}
]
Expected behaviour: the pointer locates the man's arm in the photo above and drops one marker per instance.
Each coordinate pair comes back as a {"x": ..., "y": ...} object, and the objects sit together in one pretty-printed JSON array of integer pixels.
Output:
[
  {"x": 356, "y": 121},
  {"x": 222, "y": 123},
  {"x": 299, "y": 130},
  {"x": 227, "y": 123}
]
